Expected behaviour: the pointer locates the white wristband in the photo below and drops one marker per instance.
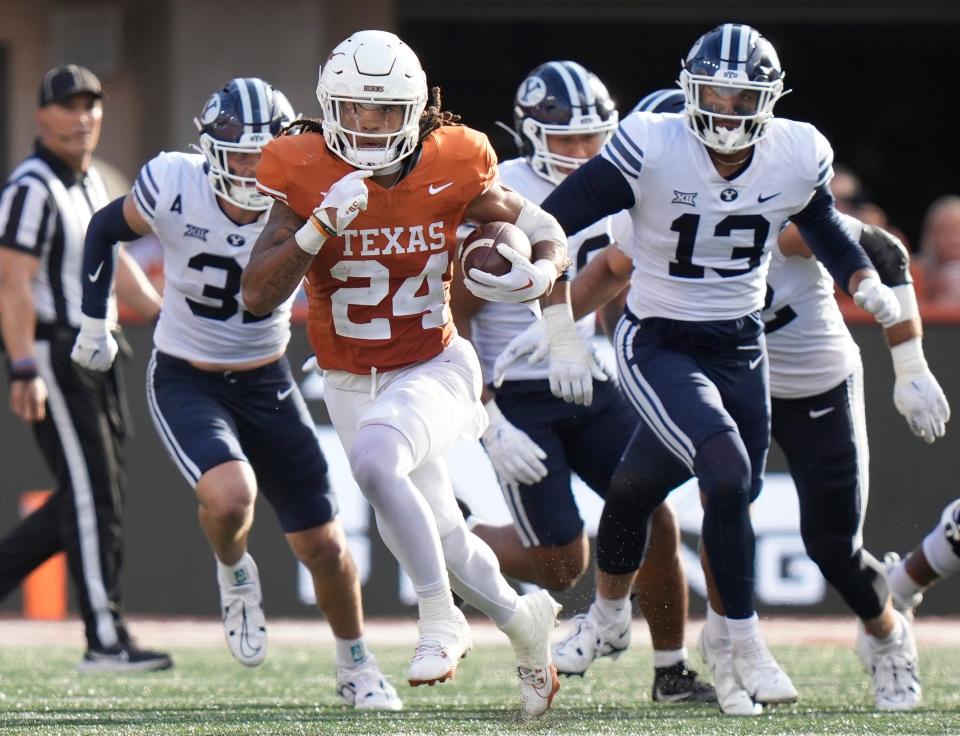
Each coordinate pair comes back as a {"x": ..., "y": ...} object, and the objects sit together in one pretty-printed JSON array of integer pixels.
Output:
[
  {"x": 309, "y": 238},
  {"x": 907, "y": 297},
  {"x": 93, "y": 325},
  {"x": 908, "y": 358},
  {"x": 493, "y": 411}
]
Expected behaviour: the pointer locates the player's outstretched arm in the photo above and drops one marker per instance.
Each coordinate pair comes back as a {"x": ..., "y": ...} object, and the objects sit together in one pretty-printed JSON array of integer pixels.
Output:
[
  {"x": 916, "y": 392},
  {"x": 120, "y": 221},
  {"x": 277, "y": 262}
]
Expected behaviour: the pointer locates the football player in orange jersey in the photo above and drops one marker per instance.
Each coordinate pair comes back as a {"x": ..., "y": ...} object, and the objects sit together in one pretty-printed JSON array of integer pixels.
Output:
[{"x": 368, "y": 202}]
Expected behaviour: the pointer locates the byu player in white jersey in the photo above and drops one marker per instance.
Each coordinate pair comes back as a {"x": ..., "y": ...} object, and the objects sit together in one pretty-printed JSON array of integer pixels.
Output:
[
  {"x": 817, "y": 402},
  {"x": 818, "y": 420},
  {"x": 563, "y": 115},
  {"x": 220, "y": 389},
  {"x": 708, "y": 192}
]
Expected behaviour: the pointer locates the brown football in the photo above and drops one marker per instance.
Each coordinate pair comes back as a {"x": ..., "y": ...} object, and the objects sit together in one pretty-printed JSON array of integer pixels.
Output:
[{"x": 478, "y": 250}]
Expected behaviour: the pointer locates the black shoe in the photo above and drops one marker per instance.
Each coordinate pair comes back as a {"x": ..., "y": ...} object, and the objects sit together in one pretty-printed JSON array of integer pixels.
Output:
[
  {"x": 123, "y": 658},
  {"x": 680, "y": 684}
]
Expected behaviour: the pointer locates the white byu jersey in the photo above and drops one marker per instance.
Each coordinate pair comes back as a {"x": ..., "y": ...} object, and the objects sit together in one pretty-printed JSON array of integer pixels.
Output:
[
  {"x": 204, "y": 253},
  {"x": 496, "y": 323},
  {"x": 809, "y": 346},
  {"x": 701, "y": 243}
]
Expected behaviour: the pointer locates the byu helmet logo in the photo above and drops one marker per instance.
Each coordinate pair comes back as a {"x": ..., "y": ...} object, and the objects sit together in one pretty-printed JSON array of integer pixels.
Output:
[{"x": 532, "y": 91}]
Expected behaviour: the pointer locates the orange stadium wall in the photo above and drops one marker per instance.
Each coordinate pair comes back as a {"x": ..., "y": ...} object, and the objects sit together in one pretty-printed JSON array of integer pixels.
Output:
[{"x": 170, "y": 571}]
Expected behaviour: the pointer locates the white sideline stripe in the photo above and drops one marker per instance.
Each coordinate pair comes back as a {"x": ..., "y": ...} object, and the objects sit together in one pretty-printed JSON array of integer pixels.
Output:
[
  {"x": 519, "y": 514},
  {"x": 89, "y": 537},
  {"x": 857, "y": 404},
  {"x": 646, "y": 401},
  {"x": 180, "y": 458}
]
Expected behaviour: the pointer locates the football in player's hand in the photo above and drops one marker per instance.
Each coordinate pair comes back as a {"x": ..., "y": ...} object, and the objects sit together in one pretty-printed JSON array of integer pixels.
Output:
[{"x": 479, "y": 249}]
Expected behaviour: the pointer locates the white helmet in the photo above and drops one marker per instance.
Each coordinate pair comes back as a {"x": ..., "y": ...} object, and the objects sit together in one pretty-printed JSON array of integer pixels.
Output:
[{"x": 372, "y": 68}]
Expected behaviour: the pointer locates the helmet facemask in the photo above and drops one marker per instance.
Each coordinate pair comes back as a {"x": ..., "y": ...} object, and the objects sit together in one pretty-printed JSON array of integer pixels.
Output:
[
  {"x": 393, "y": 128},
  {"x": 555, "y": 167},
  {"x": 713, "y": 102}
]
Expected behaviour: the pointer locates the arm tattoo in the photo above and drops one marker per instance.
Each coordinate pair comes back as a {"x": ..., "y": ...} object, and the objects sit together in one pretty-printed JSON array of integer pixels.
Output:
[{"x": 275, "y": 270}]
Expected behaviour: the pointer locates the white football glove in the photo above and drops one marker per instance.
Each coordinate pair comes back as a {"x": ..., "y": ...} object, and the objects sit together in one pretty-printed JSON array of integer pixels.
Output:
[
  {"x": 878, "y": 300},
  {"x": 916, "y": 392},
  {"x": 572, "y": 365},
  {"x": 347, "y": 198},
  {"x": 523, "y": 282},
  {"x": 516, "y": 458},
  {"x": 532, "y": 341},
  {"x": 95, "y": 348}
]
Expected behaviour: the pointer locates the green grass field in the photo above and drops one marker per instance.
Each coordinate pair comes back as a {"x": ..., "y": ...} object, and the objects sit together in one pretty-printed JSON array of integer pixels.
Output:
[{"x": 293, "y": 693}]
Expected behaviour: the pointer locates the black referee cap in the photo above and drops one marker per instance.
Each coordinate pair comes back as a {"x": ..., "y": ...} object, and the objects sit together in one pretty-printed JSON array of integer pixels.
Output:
[{"x": 63, "y": 82}]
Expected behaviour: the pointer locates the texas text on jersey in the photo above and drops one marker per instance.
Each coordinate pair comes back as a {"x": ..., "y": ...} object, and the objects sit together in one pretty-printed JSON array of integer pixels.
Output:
[{"x": 379, "y": 293}]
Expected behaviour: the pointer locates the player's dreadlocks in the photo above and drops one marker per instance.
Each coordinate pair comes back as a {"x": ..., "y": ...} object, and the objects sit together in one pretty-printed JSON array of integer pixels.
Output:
[{"x": 433, "y": 117}]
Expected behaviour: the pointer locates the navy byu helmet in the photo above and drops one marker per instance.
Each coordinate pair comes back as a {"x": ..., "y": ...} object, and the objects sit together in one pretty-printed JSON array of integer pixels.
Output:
[
  {"x": 560, "y": 98},
  {"x": 240, "y": 118},
  {"x": 731, "y": 75}
]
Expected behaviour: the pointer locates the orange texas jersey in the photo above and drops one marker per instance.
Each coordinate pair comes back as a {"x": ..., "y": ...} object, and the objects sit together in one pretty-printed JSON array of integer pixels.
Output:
[{"x": 378, "y": 294}]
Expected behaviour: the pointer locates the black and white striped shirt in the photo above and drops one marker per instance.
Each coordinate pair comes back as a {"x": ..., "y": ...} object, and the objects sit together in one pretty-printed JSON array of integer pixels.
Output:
[{"x": 45, "y": 208}]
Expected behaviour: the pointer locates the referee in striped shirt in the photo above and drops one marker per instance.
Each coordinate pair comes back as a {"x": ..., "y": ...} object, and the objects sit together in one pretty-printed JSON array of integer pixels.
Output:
[{"x": 78, "y": 416}]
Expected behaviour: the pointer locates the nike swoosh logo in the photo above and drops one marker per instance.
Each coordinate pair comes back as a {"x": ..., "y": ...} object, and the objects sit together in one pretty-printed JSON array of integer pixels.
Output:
[
  {"x": 436, "y": 190},
  {"x": 755, "y": 362},
  {"x": 285, "y": 392},
  {"x": 761, "y": 199},
  {"x": 96, "y": 274},
  {"x": 817, "y": 413}
]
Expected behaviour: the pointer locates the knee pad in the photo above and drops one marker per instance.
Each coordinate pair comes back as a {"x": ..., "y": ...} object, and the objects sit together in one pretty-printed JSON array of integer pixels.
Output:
[{"x": 723, "y": 471}]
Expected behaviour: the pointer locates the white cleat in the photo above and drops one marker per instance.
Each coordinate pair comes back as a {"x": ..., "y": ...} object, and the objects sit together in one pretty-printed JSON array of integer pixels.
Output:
[
  {"x": 893, "y": 667},
  {"x": 529, "y": 632},
  {"x": 760, "y": 675},
  {"x": 591, "y": 638},
  {"x": 441, "y": 646},
  {"x": 244, "y": 623},
  {"x": 366, "y": 688},
  {"x": 717, "y": 654}
]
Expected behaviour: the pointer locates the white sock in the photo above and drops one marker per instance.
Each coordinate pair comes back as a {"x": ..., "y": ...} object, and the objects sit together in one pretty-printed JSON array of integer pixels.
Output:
[
  {"x": 716, "y": 625},
  {"x": 435, "y": 607},
  {"x": 742, "y": 629},
  {"x": 613, "y": 609},
  {"x": 669, "y": 657},
  {"x": 475, "y": 575},
  {"x": 901, "y": 585},
  {"x": 239, "y": 573},
  {"x": 893, "y": 636},
  {"x": 350, "y": 652}
]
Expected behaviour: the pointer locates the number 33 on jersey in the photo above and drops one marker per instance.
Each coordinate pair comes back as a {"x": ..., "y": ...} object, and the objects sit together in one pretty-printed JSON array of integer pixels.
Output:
[{"x": 379, "y": 293}]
